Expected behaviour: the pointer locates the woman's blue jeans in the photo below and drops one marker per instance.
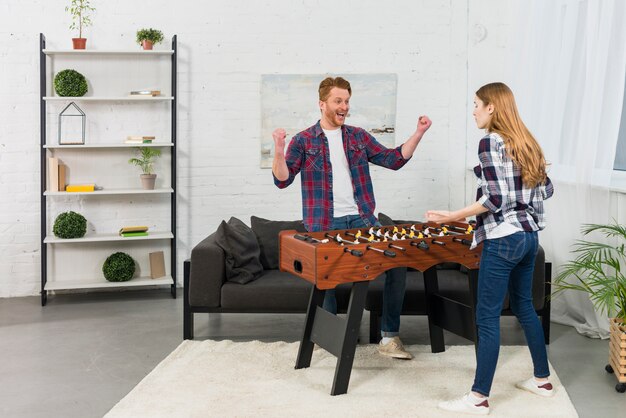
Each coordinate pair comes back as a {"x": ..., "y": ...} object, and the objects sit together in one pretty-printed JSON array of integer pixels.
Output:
[
  {"x": 393, "y": 292},
  {"x": 507, "y": 263}
]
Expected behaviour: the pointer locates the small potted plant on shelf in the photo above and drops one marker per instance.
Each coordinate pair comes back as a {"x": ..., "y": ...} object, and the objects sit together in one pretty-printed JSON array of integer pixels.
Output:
[
  {"x": 149, "y": 37},
  {"x": 80, "y": 10},
  {"x": 598, "y": 270},
  {"x": 145, "y": 161}
]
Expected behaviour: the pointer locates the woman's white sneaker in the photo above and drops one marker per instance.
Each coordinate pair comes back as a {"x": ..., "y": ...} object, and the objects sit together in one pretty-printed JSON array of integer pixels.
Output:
[
  {"x": 544, "y": 388},
  {"x": 467, "y": 404}
]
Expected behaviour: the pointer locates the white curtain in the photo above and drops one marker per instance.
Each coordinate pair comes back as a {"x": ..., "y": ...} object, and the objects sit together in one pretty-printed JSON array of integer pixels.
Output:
[{"x": 570, "y": 68}]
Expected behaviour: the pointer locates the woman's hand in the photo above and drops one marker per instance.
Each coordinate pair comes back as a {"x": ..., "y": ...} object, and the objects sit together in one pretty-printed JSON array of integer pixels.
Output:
[{"x": 440, "y": 216}]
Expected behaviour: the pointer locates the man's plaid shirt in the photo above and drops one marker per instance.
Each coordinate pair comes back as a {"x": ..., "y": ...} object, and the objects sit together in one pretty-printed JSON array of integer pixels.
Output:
[
  {"x": 500, "y": 189},
  {"x": 308, "y": 153}
]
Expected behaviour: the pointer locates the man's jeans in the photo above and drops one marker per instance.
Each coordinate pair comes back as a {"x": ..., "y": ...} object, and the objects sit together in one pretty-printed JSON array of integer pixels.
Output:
[
  {"x": 393, "y": 292},
  {"x": 507, "y": 263}
]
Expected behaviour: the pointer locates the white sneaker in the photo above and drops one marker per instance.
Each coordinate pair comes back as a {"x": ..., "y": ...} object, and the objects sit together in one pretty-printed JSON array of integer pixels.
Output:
[
  {"x": 544, "y": 389},
  {"x": 466, "y": 405}
]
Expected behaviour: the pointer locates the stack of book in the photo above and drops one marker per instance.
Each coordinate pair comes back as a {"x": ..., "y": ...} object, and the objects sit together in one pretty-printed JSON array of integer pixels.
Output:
[
  {"x": 74, "y": 188},
  {"x": 145, "y": 93},
  {"x": 134, "y": 231},
  {"x": 139, "y": 139}
]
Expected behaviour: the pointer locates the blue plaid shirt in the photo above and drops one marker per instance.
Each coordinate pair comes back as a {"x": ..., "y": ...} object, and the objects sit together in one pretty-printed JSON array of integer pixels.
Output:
[
  {"x": 500, "y": 189},
  {"x": 308, "y": 153}
]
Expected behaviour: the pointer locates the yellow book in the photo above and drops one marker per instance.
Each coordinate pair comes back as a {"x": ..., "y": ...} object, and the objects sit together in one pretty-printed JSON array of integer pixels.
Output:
[
  {"x": 80, "y": 187},
  {"x": 127, "y": 229}
]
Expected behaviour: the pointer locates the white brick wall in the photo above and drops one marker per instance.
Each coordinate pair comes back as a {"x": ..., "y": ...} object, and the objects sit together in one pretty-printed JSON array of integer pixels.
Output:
[{"x": 224, "y": 48}]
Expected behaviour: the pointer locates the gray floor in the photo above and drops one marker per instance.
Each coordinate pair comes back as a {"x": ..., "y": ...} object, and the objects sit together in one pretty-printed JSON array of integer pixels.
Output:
[{"x": 78, "y": 356}]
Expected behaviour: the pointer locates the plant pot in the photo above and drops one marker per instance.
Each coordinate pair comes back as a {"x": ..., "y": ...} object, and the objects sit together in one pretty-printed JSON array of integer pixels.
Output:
[
  {"x": 147, "y": 181},
  {"x": 617, "y": 351},
  {"x": 146, "y": 44},
  {"x": 79, "y": 43}
]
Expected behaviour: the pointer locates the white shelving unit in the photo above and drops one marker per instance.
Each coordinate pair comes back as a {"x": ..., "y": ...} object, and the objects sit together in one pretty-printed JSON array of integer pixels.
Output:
[{"x": 69, "y": 263}]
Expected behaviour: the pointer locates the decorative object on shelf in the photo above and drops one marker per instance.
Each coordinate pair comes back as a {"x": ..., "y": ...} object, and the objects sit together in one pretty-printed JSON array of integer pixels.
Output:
[
  {"x": 70, "y": 83},
  {"x": 70, "y": 225},
  {"x": 598, "y": 271},
  {"x": 118, "y": 267},
  {"x": 145, "y": 162},
  {"x": 149, "y": 37},
  {"x": 80, "y": 10},
  {"x": 157, "y": 265},
  {"x": 72, "y": 125}
]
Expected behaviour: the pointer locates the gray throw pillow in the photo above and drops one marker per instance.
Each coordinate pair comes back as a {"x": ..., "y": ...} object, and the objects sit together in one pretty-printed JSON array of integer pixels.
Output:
[
  {"x": 241, "y": 251},
  {"x": 266, "y": 232}
]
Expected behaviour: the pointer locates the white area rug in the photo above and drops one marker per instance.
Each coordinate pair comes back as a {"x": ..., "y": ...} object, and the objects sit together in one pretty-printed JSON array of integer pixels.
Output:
[{"x": 255, "y": 379}]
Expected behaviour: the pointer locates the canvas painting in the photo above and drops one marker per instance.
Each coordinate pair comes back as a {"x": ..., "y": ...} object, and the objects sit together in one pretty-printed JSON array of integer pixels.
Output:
[{"x": 290, "y": 101}]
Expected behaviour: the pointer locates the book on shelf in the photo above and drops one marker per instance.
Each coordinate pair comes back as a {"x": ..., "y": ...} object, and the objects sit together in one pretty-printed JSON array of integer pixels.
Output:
[
  {"x": 139, "y": 139},
  {"x": 126, "y": 229},
  {"x": 90, "y": 187},
  {"x": 53, "y": 174},
  {"x": 145, "y": 93},
  {"x": 157, "y": 264},
  {"x": 62, "y": 177},
  {"x": 135, "y": 234}
]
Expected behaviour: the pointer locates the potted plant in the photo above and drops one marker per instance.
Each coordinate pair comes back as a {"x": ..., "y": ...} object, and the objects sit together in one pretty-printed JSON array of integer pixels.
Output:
[
  {"x": 79, "y": 10},
  {"x": 145, "y": 161},
  {"x": 149, "y": 37},
  {"x": 70, "y": 83},
  {"x": 70, "y": 225},
  {"x": 598, "y": 270}
]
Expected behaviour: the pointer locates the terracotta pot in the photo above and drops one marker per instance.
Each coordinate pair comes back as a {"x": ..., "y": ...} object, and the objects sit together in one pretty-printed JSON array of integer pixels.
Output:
[
  {"x": 147, "y": 181},
  {"x": 79, "y": 43},
  {"x": 146, "y": 44}
]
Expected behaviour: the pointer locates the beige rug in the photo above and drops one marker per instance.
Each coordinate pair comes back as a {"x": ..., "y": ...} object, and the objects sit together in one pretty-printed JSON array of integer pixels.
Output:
[{"x": 255, "y": 379}]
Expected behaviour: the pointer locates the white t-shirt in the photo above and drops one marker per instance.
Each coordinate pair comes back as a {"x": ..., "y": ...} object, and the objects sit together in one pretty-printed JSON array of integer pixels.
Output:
[{"x": 343, "y": 195}]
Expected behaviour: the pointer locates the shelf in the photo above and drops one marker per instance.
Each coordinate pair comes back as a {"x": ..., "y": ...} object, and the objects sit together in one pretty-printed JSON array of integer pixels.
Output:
[
  {"x": 102, "y": 282},
  {"x": 107, "y": 52},
  {"x": 109, "y": 99},
  {"x": 51, "y": 239},
  {"x": 122, "y": 145},
  {"x": 112, "y": 192}
]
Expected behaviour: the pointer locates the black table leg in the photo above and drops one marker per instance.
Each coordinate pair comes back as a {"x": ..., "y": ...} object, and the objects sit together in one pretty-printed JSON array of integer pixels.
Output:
[
  {"x": 305, "y": 352},
  {"x": 353, "y": 322},
  {"x": 431, "y": 288}
]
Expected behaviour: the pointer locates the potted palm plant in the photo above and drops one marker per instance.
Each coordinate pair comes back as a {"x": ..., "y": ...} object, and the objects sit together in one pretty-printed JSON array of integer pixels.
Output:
[
  {"x": 149, "y": 37},
  {"x": 79, "y": 10},
  {"x": 145, "y": 161},
  {"x": 598, "y": 270}
]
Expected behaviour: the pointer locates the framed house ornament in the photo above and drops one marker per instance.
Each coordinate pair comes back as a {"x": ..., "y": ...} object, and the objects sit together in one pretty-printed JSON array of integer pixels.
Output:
[{"x": 72, "y": 125}]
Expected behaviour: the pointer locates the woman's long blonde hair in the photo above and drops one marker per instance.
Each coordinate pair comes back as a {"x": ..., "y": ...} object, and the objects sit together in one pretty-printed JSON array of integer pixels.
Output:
[{"x": 520, "y": 144}]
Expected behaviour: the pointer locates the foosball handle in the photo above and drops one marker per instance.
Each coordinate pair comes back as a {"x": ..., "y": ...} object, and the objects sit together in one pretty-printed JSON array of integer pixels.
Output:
[
  {"x": 355, "y": 253},
  {"x": 301, "y": 237},
  {"x": 389, "y": 253},
  {"x": 463, "y": 241}
]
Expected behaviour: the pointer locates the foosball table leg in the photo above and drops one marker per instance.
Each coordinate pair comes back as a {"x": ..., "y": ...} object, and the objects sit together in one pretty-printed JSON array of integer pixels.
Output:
[
  {"x": 353, "y": 323},
  {"x": 473, "y": 288},
  {"x": 305, "y": 352},
  {"x": 431, "y": 288}
]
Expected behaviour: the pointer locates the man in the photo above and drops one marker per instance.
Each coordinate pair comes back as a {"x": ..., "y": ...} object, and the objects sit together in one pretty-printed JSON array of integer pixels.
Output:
[{"x": 337, "y": 189}]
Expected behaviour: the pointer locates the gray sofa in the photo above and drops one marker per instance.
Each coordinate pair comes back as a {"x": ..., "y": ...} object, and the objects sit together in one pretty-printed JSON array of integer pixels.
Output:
[{"x": 207, "y": 288}]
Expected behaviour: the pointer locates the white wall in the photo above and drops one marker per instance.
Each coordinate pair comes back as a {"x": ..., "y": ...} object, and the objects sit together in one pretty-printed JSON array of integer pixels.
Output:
[{"x": 436, "y": 48}]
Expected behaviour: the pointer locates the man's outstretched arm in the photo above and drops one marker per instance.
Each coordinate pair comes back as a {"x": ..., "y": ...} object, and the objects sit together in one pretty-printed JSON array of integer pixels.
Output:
[{"x": 408, "y": 148}]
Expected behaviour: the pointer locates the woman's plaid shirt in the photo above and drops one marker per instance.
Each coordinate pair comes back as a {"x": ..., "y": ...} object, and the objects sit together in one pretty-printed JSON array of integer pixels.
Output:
[{"x": 500, "y": 189}]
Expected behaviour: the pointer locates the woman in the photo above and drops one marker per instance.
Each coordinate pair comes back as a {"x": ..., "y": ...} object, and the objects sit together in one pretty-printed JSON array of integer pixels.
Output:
[{"x": 512, "y": 185}]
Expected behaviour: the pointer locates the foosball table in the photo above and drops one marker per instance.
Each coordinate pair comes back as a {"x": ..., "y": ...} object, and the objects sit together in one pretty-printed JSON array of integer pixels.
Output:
[{"x": 327, "y": 259}]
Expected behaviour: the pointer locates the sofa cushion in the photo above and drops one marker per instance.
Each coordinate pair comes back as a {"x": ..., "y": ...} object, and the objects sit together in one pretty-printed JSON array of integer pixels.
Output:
[
  {"x": 276, "y": 291},
  {"x": 241, "y": 251},
  {"x": 266, "y": 232}
]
